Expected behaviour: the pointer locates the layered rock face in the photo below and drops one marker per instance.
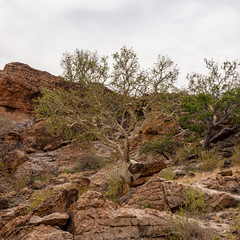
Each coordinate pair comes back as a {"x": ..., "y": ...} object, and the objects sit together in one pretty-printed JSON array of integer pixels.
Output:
[{"x": 19, "y": 86}]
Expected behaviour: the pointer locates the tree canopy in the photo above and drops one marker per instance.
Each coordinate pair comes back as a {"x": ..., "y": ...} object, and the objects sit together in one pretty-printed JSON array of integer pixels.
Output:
[
  {"x": 213, "y": 107},
  {"x": 89, "y": 109}
]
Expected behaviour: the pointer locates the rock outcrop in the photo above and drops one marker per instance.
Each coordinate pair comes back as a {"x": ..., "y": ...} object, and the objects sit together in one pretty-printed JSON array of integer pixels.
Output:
[
  {"x": 97, "y": 218},
  {"x": 170, "y": 196},
  {"x": 19, "y": 86},
  {"x": 226, "y": 180}
]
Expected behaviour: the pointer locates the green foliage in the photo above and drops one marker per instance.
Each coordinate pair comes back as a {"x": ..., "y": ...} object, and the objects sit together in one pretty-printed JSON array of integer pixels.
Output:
[
  {"x": 143, "y": 205},
  {"x": 183, "y": 152},
  {"x": 167, "y": 173},
  {"x": 84, "y": 66},
  {"x": 194, "y": 202},
  {"x": 44, "y": 177},
  {"x": 209, "y": 160},
  {"x": 113, "y": 185},
  {"x": 214, "y": 102},
  {"x": 20, "y": 183},
  {"x": 182, "y": 228},
  {"x": 236, "y": 223},
  {"x": 197, "y": 110},
  {"x": 236, "y": 155},
  {"x": 165, "y": 144},
  {"x": 89, "y": 161},
  {"x": 86, "y": 109},
  {"x": 38, "y": 198}
]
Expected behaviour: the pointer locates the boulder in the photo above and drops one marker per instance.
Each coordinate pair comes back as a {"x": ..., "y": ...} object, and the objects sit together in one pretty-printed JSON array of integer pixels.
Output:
[
  {"x": 147, "y": 169},
  {"x": 158, "y": 123},
  {"x": 97, "y": 218},
  {"x": 38, "y": 138},
  {"x": 54, "y": 219},
  {"x": 19, "y": 86},
  {"x": 170, "y": 195},
  {"x": 44, "y": 233},
  {"x": 16, "y": 158},
  {"x": 224, "y": 181}
]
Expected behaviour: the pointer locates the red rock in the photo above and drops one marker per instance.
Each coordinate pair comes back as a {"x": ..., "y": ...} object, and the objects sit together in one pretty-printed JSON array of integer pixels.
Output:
[
  {"x": 54, "y": 219},
  {"x": 19, "y": 86},
  {"x": 97, "y": 218},
  {"x": 44, "y": 233},
  {"x": 226, "y": 173}
]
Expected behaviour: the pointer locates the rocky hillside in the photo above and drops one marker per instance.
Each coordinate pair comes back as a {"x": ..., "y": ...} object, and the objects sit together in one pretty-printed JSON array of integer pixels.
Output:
[{"x": 51, "y": 189}]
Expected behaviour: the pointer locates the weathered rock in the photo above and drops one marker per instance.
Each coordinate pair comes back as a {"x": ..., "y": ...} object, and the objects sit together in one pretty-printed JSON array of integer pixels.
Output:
[
  {"x": 97, "y": 218},
  {"x": 147, "y": 169},
  {"x": 225, "y": 181},
  {"x": 38, "y": 184},
  {"x": 16, "y": 158},
  {"x": 141, "y": 172},
  {"x": 58, "y": 202},
  {"x": 159, "y": 124},
  {"x": 19, "y": 86},
  {"x": 226, "y": 173},
  {"x": 54, "y": 219},
  {"x": 44, "y": 233},
  {"x": 157, "y": 193},
  {"x": 38, "y": 164},
  {"x": 170, "y": 195},
  {"x": 37, "y": 138}
]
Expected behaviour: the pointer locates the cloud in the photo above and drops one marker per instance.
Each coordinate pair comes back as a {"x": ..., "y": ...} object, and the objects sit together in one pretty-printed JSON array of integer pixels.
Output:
[{"x": 39, "y": 32}]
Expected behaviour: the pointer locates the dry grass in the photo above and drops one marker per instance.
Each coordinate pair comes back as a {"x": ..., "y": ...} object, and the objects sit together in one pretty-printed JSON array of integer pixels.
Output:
[
  {"x": 182, "y": 228},
  {"x": 236, "y": 155},
  {"x": 203, "y": 175}
]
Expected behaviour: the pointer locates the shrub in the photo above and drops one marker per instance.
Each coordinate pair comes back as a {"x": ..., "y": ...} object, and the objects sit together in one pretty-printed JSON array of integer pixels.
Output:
[
  {"x": 185, "y": 151},
  {"x": 236, "y": 155},
  {"x": 45, "y": 178},
  {"x": 20, "y": 183},
  {"x": 113, "y": 185},
  {"x": 38, "y": 198},
  {"x": 209, "y": 160},
  {"x": 160, "y": 146},
  {"x": 182, "y": 228},
  {"x": 89, "y": 161},
  {"x": 167, "y": 173},
  {"x": 194, "y": 202},
  {"x": 143, "y": 205}
]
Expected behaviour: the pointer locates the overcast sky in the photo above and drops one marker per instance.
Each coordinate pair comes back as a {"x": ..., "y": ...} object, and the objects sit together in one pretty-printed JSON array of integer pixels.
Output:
[{"x": 38, "y": 32}]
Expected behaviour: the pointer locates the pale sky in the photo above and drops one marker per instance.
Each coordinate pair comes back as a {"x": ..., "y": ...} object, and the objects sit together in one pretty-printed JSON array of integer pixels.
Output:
[{"x": 38, "y": 32}]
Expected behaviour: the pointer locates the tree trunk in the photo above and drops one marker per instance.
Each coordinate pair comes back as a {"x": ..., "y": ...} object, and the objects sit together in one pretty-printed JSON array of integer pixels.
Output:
[{"x": 206, "y": 141}]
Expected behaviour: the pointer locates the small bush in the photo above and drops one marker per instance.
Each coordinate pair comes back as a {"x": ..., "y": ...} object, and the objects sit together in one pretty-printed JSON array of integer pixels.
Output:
[
  {"x": 38, "y": 198},
  {"x": 235, "y": 226},
  {"x": 89, "y": 161},
  {"x": 167, "y": 173},
  {"x": 20, "y": 183},
  {"x": 185, "y": 151},
  {"x": 143, "y": 205},
  {"x": 236, "y": 155},
  {"x": 181, "y": 228},
  {"x": 194, "y": 202},
  {"x": 113, "y": 185},
  {"x": 162, "y": 145},
  {"x": 209, "y": 160},
  {"x": 45, "y": 178}
]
